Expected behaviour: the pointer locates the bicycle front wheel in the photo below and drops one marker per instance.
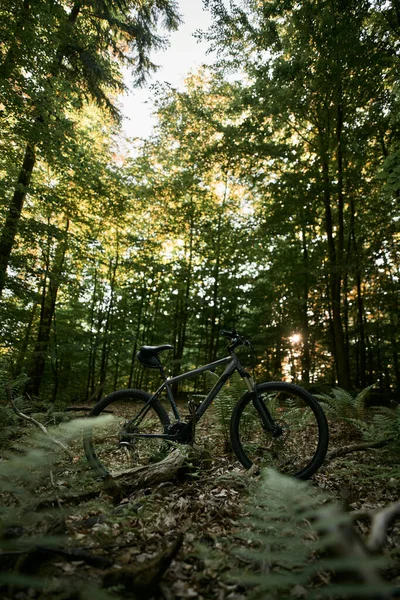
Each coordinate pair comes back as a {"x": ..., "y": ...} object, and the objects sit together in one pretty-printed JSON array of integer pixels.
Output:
[
  {"x": 114, "y": 445},
  {"x": 299, "y": 443}
]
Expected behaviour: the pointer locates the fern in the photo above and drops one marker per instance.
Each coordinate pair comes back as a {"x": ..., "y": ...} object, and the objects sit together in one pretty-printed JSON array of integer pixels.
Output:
[
  {"x": 340, "y": 404},
  {"x": 8, "y": 419},
  {"x": 351, "y": 411},
  {"x": 25, "y": 483},
  {"x": 289, "y": 532},
  {"x": 224, "y": 403},
  {"x": 376, "y": 423},
  {"x": 388, "y": 420}
]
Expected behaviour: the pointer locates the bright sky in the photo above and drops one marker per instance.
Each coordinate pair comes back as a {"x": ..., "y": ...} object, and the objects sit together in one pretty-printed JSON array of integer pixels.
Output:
[{"x": 184, "y": 54}]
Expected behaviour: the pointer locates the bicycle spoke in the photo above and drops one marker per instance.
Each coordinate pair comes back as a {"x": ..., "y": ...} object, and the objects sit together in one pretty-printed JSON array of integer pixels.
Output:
[
  {"x": 117, "y": 446},
  {"x": 295, "y": 443}
]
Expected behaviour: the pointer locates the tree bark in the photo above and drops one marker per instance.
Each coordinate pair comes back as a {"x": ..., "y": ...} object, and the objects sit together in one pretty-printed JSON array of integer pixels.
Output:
[
  {"x": 48, "y": 307},
  {"x": 305, "y": 358},
  {"x": 10, "y": 228},
  {"x": 123, "y": 483},
  {"x": 107, "y": 330},
  {"x": 335, "y": 273}
]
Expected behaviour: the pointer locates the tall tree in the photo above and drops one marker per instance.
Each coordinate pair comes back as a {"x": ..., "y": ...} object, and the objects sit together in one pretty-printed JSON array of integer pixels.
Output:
[
  {"x": 312, "y": 70},
  {"x": 92, "y": 40}
]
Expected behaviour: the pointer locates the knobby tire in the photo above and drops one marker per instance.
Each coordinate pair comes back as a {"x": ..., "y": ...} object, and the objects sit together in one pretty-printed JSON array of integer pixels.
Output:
[
  {"x": 302, "y": 447},
  {"x": 102, "y": 446}
]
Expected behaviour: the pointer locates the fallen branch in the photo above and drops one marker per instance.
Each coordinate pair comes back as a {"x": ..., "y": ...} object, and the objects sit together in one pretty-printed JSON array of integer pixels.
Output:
[
  {"x": 344, "y": 450},
  {"x": 86, "y": 409},
  {"x": 143, "y": 580},
  {"x": 29, "y": 560},
  {"x": 381, "y": 519},
  {"x": 136, "y": 478},
  {"x": 37, "y": 423},
  {"x": 120, "y": 485},
  {"x": 346, "y": 543}
]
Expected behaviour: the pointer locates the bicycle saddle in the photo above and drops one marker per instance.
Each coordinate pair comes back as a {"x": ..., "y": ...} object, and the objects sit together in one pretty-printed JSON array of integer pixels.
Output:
[{"x": 148, "y": 355}]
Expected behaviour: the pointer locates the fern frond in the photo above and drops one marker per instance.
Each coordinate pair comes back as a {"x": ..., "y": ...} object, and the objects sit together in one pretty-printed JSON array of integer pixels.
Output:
[
  {"x": 225, "y": 401},
  {"x": 362, "y": 397},
  {"x": 289, "y": 533}
]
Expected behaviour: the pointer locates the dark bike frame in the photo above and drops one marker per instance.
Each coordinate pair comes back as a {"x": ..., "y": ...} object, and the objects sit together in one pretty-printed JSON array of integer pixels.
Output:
[{"x": 233, "y": 364}]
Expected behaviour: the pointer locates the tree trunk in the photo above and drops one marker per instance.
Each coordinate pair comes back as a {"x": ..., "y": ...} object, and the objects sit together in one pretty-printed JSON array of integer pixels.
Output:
[
  {"x": 46, "y": 317},
  {"x": 182, "y": 311},
  {"x": 305, "y": 358},
  {"x": 90, "y": 376},
  {"x": 10, "y": 228},
  {"x": 107, "y": 330},
  {"x": 137, "y": 333},
  {"x": 335, "y": 276},
  {"x": 213, "y": 343},
  {"x": 25, "y": 341}
]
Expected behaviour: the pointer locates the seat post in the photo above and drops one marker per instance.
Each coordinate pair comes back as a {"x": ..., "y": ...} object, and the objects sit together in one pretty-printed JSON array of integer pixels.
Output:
[
  {"x": 163, "y": 373},
  {"x": 169, "y": 393}
]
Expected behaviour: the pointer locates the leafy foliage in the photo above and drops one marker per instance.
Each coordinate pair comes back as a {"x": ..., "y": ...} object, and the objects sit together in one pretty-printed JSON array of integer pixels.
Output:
[
  {"x": 8, "y": 419},
  {"x": 290, "y": 533},
  {"x": 345, "y": 406},
  {"x": 266, "y": 197},
  {"x": 224, "y": 403},
  {"x": 372, "y": 422},
  {"x": 28, "y": 479}
]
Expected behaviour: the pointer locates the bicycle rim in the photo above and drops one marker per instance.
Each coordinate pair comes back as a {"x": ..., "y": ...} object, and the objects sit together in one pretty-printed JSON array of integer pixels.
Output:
[
  {"x": 114, "y": 445},
  {"x": 300, "y": 448}
]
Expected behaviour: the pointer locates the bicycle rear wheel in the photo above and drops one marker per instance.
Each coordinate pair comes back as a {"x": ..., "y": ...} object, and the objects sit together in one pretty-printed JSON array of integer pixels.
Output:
[
  {"x": 113, "y": 445},
  {"x": 300, "y": 448}
]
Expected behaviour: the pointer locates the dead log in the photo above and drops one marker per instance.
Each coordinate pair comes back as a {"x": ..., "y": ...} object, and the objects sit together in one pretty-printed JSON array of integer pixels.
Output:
[
  {"x": 143, "y": 580},
  {"x": 86, "y": 409},
  {"x": 344, "y": 450},
  {"x": 381, "y": 519},
  {"x": 178, "y": 462},
  {"x": 29, "y": 560}
]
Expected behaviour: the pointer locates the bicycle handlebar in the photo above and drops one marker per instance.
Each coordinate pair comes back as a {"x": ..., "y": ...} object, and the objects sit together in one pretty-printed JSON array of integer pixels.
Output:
[
  {"x": 236, "y": 338},
  {"x": 228, "y": 334}
]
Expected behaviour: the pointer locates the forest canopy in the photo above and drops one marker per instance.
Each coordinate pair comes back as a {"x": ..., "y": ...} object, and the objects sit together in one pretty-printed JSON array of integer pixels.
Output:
[{"x": 265, "y": 199}]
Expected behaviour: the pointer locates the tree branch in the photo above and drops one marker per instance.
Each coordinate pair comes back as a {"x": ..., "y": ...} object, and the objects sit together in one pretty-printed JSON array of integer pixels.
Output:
[
  {"x": 34, "y": 422},
  {"x": 381, "y": 519},
  {"x": 344, "y": 450}
]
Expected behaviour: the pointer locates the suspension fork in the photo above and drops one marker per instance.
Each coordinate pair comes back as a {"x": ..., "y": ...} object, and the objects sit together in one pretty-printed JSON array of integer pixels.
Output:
[{"x": 267, "y": 420}]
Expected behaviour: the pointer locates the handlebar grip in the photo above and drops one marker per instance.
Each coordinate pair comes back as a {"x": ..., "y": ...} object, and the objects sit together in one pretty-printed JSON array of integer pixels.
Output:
[
  {"x": 225, "y": 333},
  {"x": 228, "y": 334}
]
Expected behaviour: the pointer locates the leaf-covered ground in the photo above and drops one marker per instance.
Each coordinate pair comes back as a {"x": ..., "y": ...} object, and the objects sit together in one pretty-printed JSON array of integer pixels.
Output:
[{"x": 207, "y": 506}]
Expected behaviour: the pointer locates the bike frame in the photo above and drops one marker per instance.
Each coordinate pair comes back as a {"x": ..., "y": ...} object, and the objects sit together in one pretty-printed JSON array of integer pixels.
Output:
[{"x": 233, "y": 364}]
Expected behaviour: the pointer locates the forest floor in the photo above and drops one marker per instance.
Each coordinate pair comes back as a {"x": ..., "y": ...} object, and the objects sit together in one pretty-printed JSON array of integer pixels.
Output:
[{"x": 201, "y": 513}]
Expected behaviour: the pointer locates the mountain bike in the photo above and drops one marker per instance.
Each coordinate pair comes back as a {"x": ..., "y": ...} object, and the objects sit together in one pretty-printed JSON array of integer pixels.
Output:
[{"x": 273, "y": 424}]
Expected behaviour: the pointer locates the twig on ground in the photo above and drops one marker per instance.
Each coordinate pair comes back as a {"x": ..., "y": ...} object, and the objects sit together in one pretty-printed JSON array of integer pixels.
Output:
[
  {"x": 37, "y": 423},
  {"x": 33, "y": 557},
  {"x": 344, "y": 450},
  {"x": 381, "y": 519},
  {"x": 348, "y": 544}
]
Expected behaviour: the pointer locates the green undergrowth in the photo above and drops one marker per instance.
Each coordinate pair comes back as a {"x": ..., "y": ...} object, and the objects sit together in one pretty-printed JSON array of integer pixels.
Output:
[
  {"x": 35, "y": 476},
  {"x": 284, "y": 547},
  {"x": 352, "y": 411},
  {"x": 291, "y": 545}
]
